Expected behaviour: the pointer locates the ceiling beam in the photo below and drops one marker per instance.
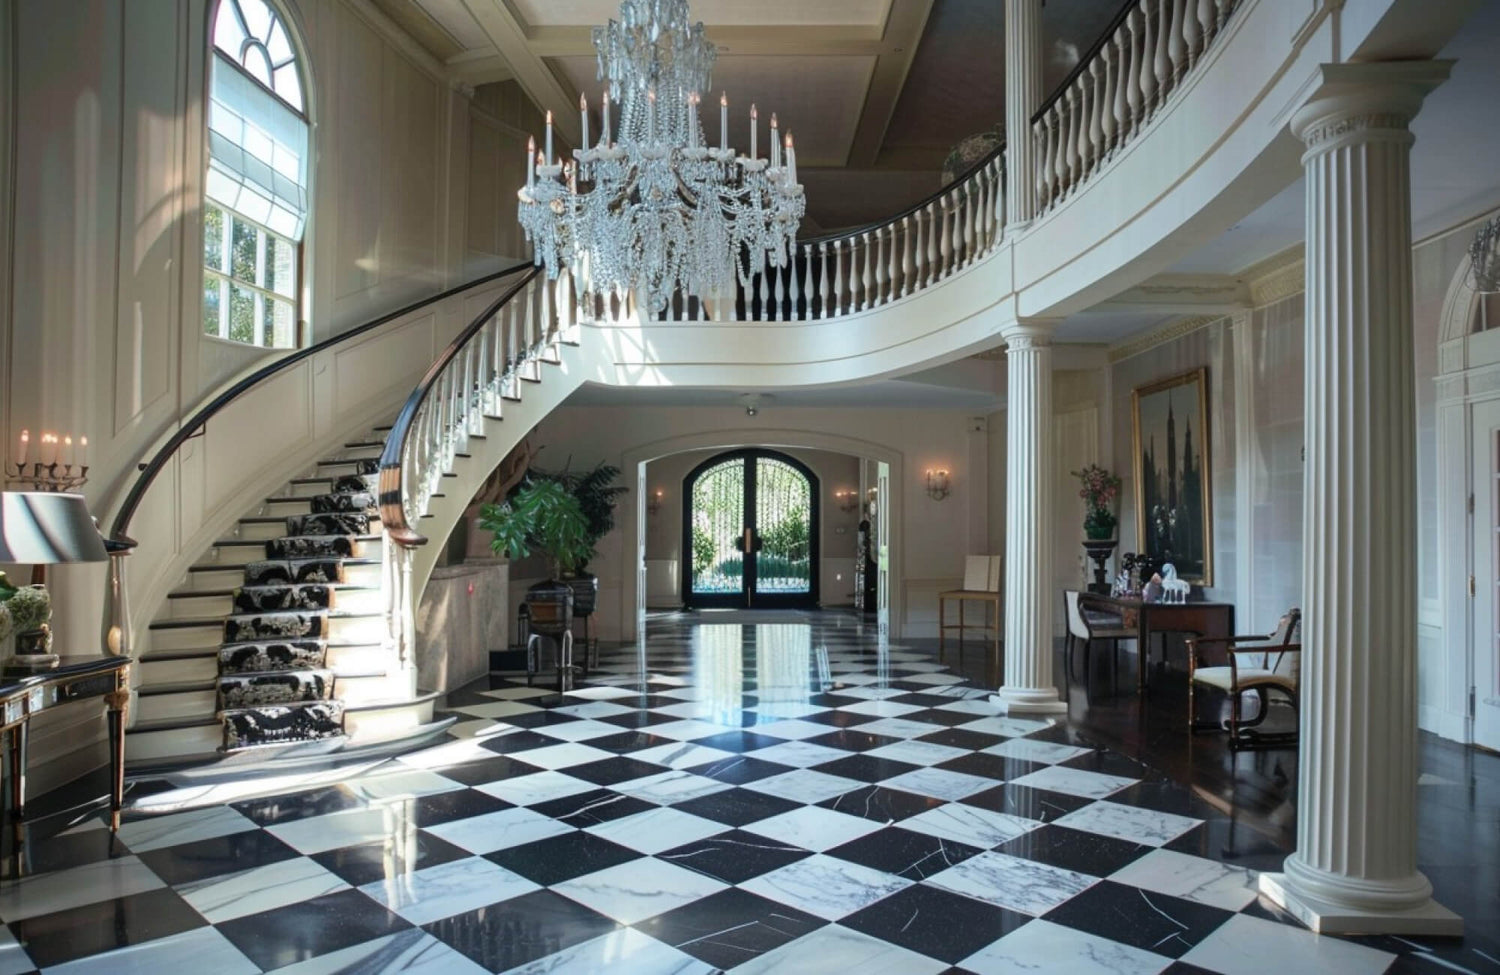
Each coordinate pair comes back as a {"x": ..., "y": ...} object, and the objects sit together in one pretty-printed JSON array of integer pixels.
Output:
[
  {"x": 903, "y": 33},
  {"x": 501, "y": 25}
]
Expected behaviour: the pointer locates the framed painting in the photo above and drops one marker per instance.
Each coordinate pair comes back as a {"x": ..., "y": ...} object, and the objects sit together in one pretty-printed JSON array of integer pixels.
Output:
[{"x": 1173, "y": 517}]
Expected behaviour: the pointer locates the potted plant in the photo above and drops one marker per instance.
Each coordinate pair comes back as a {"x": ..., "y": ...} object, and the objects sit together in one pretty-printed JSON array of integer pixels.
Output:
[
  {"x": 1099, "y": 490},
  {"x": 597, "y": 495},
  {"x": 542, "y": 515}
]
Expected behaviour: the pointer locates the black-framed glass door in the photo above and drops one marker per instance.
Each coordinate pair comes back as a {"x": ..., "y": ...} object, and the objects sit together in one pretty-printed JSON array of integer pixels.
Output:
[{"x": 750, "y": 532}]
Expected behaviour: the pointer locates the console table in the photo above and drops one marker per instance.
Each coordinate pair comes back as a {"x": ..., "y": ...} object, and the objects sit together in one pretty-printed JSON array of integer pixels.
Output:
[
  {"x": 1206, "y": 619},
  {"x": 23, "y": 693}
]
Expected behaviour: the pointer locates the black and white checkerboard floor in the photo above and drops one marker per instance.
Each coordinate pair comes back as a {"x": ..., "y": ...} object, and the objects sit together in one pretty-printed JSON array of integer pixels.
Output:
[{"x": 781, "y": 798}]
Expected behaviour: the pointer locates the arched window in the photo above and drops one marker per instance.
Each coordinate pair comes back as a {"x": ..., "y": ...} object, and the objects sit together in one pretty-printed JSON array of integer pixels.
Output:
[{"x": 256, "y": 211}]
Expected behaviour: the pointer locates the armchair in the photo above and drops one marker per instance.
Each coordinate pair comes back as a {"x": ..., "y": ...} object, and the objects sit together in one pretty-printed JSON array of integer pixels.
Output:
[{"x": 1258, "y": 664}]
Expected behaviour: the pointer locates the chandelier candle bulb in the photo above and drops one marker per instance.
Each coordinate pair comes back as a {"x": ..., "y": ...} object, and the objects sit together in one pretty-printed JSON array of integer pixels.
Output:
[
  {"x": 25, "y": 443},
  {"x": 791, "y": 160},
  {"x": 67, "y": 452},
  {"x": 754, "y": 126},
  {"x": 605, "y": 137},
  {"x": 723, "y": 120},
  {"x": 531, "y": 162},
  {"x": 49, "y": 450},
  {"x": 549, "y": 139},
  {"x": 83, "y": 452},
  {"x": 583, "y": 112},
  {"x": 775, "y": 142}
]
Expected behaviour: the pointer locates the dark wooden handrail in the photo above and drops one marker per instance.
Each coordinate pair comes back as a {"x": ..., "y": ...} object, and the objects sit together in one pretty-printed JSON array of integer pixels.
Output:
[
  {"x": 118, "y": 533},
  {"x": 1086, "y": 57},
  {"x": 392, "y": 510},
  {"x": 921, "y": 204}
]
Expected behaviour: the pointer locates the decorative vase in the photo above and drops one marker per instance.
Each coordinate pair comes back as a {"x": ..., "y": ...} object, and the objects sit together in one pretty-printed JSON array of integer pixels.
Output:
[{"x": 1099, "y": 550}]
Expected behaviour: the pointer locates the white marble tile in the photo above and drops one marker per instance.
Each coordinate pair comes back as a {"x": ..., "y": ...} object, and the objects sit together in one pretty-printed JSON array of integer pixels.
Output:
[
  {"x": 499, "y": 709},
  {"x": 1191, "y": 878},
  {"x": 1042, "y": 946},
  {"x": 597, "y": 692},
  {"x": 940, "y": 783},
  {"x": 13, "y": 958},
  {"x": 975, "y": 706},
  {"x": 409, "y": 951},
  {"x": 804, "y": 785},
  {"x": 260, "y": 889},
  {"x": 896, "y": 728},
  {"x": 447, "y": 889},
  {"x": 634, "y": 891},
  {"x": 517, "y": 693},
  {"x": 577, "y": 730},
  {"x": 681, "y": 755},
  {"x": 688, "y": 709},
  {"x": 142, "y": 835},
  {"x": 814, "y": 828},
  {"x": 401, "y": 785},
  {"x": 917, "y": 752},
  {"x": 837, "y": 949},
  {"x": 101, "y": 880},
  {"x": 666, "y": 788},
  {"x": 872, "y": 690},
  {"x": 983, "y": 828},
  {"x": 1031, "y": 750},
  {"x": 786, "y": 709},
  {"x": 684, "y": 693},
  {"x": 1146, "y": 826},
  {"x": 563, "y": 756},
  {"x": 1007, "y": 727},
  {"x": 687, "y": 730},
  {"x": 594, "y": 709},
  {"x": 657, "y": 830},
  {"x": 881, "y": 709},
  {"x": 933, "y": 678},
  {"x": 793, "y": 730},
  {"x": 449, "y": 753},
  {"x": 499, "y": 830},
  {"x": 624, "y": 951},
  {"x": 318, "y": 833},
  {"x": 825, "y": 886},
  {"x": 528, "y": 790},
  {"x": 473, "y": 729},
  {"x": 1019, "y": 885},
  {"x": 1246, "y": 945},
  {"x": 798, "y": 754},
  {"x": 1075, "y": 782},
  {"x": 199, "y": 950}
]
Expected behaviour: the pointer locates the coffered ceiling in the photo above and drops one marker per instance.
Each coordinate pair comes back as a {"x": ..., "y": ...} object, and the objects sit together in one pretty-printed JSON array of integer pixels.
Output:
[{"x": 877, "y": 92}]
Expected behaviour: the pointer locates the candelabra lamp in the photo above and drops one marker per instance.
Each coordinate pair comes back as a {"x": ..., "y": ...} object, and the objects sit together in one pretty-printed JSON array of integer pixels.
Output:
[
  {"x": 58, "y": 466},
  {"x": 847, "y": 500},
  {"x": 42, "y": 528},
  {"x": 653, "y": 503},
  {"x": 938, "y": 484}
]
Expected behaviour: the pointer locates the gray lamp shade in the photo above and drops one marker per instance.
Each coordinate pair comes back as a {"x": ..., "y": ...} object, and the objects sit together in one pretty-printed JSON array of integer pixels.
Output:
[{"x": 42, "y": 528}]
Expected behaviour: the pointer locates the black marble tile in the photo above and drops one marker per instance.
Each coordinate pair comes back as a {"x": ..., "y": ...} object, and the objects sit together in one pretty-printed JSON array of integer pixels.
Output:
[
  {"x": 610, "y": 771},
  {"x": 841, "y": 719},
  {"x": 737, "y": 807},
  {"x": 1027, "y": 802},
  {"x": 536, "y": 720},
  {"x": 51, "y": 939},
  {"x": 1072, "y": 849},
  {"x": 739, "y": 769},
  {"x": 1167, "y": 925},
  {"x": 881, "y": 804},
  {"x": 393, "y": 856},
  {"x": 628, "y": 741},
  {"x": 915, "y": 856},
  {"x": 638, "y": 719},
  {"x": 1167, "y": 797},
  {"x": 959, "y": 738},
  {"x": 310, "y": 928},
  {"x": 517, "y": 742},
  {"x": 591, "y": 808},
  {"x": 1228, "y": 842},
  {"x": 513, "y": 932},
  {"x": 933, "y": 716},
  {"x": 738, "y": 741},
  {"x": 735, "y": 856},
  {"x": 935, "y": 922},
  {"x": 301, "y": 805},
  {"x": 865, "y": 768},
  {"x": 445, "y": 807},
  {"x": 851, "y": 740},
  {"x": 991, "y": 766},
  {"x": 223, "y": 854},
  {"x": 559, "y": 858},
  {"x": 730, "y": 927},
  {"x": 31, "y": 855},
  {"x": 1111, "y": 763},
  {"x": 481, "y": 771}
]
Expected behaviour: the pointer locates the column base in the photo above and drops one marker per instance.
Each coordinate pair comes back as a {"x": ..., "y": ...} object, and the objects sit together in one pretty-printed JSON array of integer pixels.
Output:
[
  {"x": 1028, "y": 700},
  {"x": 1324, "y": 917}
]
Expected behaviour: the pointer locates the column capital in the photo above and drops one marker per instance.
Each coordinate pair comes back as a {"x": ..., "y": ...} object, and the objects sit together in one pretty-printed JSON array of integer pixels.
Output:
[
  {"x": 1029, "y": 333},
  {"x": 1356, "y": 101}
]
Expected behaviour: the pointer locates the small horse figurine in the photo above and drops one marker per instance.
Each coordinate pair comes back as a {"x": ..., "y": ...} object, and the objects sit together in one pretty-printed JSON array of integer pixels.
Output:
[{"x": 1174, "y": 590}]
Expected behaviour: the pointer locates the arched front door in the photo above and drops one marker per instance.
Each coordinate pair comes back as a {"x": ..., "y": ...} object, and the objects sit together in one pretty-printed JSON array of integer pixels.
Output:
[{"x": 750, "y": 532}]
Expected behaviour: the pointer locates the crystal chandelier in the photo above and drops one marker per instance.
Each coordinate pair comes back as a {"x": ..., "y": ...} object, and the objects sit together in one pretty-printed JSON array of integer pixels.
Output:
[
  {"x": 650, "y": 207},
  {"x": 1484, "y": 257}
]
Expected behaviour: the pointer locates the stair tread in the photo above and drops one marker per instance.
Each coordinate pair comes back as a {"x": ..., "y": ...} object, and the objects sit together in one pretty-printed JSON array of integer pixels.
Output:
[
  {"x": 336, "y": 461},
  {"x": 188, "y": 622},
  {"x": 197, "y": 653},
  {"x": 228, "y": 542},
  {"x": 228, "y": 566},
  {"x": 173, "y": 724},
  {"x": 358, "y": 444},
  {"x": 206, "y": 593},
  {"x": 281, "y": 519}
]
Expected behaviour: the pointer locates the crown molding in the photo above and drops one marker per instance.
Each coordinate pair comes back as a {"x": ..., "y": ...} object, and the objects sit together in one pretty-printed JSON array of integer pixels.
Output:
[
  {"x": 1278, "y": 276},
  {"x": 1171, "y": 331}
]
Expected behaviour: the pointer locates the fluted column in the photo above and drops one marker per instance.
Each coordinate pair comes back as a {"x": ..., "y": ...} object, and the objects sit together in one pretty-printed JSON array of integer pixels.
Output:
[
  {"x": 1355, "y": 869},
  {"x": 1029, "y": 530},
  {"x": 1023, "y": 94}
]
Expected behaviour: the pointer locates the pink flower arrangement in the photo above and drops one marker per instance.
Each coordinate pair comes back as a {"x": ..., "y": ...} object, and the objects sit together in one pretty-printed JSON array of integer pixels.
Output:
[{"x": 1100, "y": 487}]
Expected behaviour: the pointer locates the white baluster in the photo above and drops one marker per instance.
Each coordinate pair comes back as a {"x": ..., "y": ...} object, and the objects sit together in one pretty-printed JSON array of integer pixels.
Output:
[
  {"x": 968, "y": 220},
  {"x": 879, "y": 248},
  {"x": 796, "y": 270},
  {"x": 1163, "y": 63},
  {"x": 1226, "y": 7},
  {"x": 1192, "y": 33},
  {"x": 839, "y": 307},
  {"x": 1147, "y": 62},
  {"x": 893, "y": 269},
  {"x": 1114, "y": 95},
  {"x": 1177, "y": 46},
  {"x": 867, "y": 279},
  {"x": 1130, "y": 81},
  {"x": 945, "y": 237},
  {"x": 1207, "y": 25},
  {"x": 934, "y": 245},
  {"x": 909, "y": 224},
  {"x": 919, "y": 276},
  {"x": 1098, "y": 111}
]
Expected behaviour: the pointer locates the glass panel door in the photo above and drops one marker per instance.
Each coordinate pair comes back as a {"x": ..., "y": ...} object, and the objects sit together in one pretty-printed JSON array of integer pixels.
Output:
[
  {"x": 783, "y": 521},
  {"x": 715, "y": 535}
]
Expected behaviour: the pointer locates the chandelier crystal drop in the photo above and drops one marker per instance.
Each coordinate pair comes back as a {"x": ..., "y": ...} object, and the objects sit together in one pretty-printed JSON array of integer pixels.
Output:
[{"x": 651, "y": 207}]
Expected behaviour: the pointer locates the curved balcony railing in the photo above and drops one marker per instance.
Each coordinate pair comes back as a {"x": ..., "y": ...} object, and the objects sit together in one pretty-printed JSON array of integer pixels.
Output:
[{"x": 1117, "y": 87}]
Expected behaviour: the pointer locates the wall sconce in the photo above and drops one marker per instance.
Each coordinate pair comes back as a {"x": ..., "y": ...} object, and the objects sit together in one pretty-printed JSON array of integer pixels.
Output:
[
  {"x": 937, "y": 484},
  {"x": 848, "y": 500},
  {"x": 653, "y": 503}
]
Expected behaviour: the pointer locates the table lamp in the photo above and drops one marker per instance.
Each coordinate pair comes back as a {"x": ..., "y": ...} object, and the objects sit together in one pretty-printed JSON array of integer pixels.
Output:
[{"x": 42, "y": 528}]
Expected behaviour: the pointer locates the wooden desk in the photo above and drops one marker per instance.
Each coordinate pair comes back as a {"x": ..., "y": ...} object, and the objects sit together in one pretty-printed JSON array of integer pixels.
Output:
[
  {"x": 23, "y": 693},
  {"x": 983, "y": 596},
  {"x": 1214, "y": 620}
]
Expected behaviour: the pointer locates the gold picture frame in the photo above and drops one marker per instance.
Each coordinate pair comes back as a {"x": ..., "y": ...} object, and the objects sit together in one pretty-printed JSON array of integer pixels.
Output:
[{"x": 1173, "y": 490}]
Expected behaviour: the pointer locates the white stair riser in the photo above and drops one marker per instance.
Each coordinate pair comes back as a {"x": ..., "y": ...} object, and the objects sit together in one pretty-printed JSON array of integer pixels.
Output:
[
  {"x": 240, "y": 554},
  {"x": 261, "y": 531},
  {"x": 157, "y": 672},
  {"x": 157, "y": 745},
  {"x": 364, "y": 726},
  {"x": 189, "y": 607},
  {"x": 361, "y": 629},
  {"x": 183, "y": 704},
  {"x": 358, "y": 575}
]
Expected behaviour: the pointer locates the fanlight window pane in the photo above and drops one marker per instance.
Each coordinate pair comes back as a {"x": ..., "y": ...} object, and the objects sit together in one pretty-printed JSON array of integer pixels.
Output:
[{"x": 252, "y": 35}]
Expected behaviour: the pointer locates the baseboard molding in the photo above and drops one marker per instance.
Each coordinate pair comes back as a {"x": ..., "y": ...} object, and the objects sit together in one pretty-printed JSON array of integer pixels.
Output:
[{"x": 1445, "y": 724}]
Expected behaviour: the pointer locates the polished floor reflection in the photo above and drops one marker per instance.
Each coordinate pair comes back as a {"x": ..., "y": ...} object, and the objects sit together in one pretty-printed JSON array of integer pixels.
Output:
[{"x": 781, "y": 797}]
